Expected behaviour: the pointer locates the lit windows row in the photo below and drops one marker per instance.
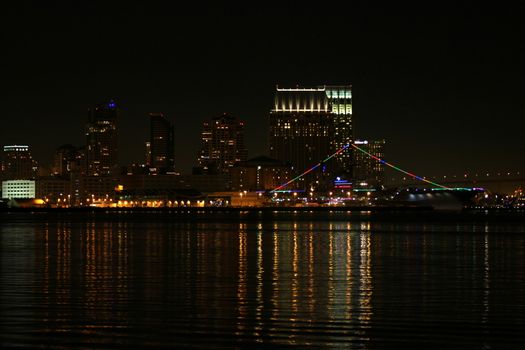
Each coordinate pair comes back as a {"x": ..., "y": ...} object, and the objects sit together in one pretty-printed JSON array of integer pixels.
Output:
[{"x": 346, "y": 93}]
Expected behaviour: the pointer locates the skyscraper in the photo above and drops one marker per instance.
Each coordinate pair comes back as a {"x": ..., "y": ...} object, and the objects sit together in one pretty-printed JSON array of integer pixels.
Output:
[
  {"x": 340, "y": 99},
  {"x": 367, "y": 169},
  {"x": 16, "y": 163},
  {"x": 222, "y": 144},
  {"x": 302, "y": 129},
  {"x": 308, "y": 124},
  {"x": 161, "y": 144},
  {"x": 102, "y": 140}
]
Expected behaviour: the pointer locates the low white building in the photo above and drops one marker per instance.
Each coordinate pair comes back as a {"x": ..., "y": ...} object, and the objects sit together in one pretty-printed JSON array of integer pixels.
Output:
[{"x": 18, "y": 189}]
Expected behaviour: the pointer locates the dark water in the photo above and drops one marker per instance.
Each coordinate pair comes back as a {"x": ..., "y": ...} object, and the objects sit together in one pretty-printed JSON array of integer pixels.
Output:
[{"x": 263, "y": 280}]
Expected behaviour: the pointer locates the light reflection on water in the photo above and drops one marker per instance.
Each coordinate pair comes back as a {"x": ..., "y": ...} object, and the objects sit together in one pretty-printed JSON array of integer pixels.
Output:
[{"x": 322, "y": 280}]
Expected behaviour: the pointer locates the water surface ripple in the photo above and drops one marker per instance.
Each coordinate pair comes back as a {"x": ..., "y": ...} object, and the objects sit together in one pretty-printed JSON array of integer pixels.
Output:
[{"x": 262, "y": 280}]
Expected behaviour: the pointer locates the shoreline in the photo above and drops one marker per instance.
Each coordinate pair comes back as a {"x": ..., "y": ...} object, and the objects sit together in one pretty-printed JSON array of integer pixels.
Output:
[
  {"x": 218, "y": 209},
  {"x": 247, "y": 209}
]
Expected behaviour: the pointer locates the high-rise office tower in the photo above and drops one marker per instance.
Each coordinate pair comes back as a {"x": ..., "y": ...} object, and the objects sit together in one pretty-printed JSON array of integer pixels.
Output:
[
  {"x": 308, "y": 124},
  {"x": 340, "y": 100},
  {"x": 102, "y": 140},
  {"x": 16, "y": 163},
  {"x": 222, "y": 144},
  {"x": 367, "y": 169},
  {"x": 161, "y": 144},
  {"x": 302, "y": 129}
]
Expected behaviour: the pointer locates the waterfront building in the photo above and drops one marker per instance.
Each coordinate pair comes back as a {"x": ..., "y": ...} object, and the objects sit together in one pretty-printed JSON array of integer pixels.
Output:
[
  {"x": 208, "y": 182},
  {"x": 259, "y": 174},
  {"x": 54, "y": 190},
  {"x": 301, "y": 130},
  {"x": 161, "y": 146},
  {"x": 89, "y": 189},
  {"x": 144, "y": 183},
  {"x": 222, "y": 145},
  {"x": 340, "y": 101},
  {"x": 102, "y": 140},
  {"x": 16, "y": 163},
  {"x": 307, "y": 124},
  {"x": 18, "y": 189},
  {"x": 367, "y": 169}
]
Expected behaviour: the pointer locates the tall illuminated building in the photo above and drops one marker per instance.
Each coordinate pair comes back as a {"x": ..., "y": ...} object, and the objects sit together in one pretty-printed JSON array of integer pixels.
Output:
[
  {"x": 161, "y": 146},
  {"x": 102, "y": 140},
  {"x": 222, "y": 144},
  {"x": 340, "y": 100},
  {"x": 302, "y": 130},
  {"x": 16, "y": 163},
  {"x": 367, "y": 169}
]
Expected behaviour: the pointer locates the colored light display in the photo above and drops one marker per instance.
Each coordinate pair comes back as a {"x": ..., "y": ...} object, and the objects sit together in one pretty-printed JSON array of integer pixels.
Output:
[
  {"x": 342, "y": 149},
  {"x": 414, "y": 176},
  {"x": 311, "y": 169}
]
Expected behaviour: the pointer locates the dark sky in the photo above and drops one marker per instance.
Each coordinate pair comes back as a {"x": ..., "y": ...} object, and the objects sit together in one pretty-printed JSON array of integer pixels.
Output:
[{"x": 444, "y": 86}]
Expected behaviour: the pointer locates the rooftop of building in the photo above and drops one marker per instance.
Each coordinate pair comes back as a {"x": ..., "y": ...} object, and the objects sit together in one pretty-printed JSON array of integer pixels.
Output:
[{"x": 18, "y": 148}]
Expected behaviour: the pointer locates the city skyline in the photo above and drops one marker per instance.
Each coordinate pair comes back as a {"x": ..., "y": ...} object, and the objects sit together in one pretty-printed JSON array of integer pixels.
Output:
[
  {"x": 48, "y": 164},
  {"x": 437, "y": 95},
  {"x": 262, "y": 175}
]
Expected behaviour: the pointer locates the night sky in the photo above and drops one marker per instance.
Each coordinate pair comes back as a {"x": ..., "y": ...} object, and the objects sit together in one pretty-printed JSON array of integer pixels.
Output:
[{"x": 445, "y": 87}]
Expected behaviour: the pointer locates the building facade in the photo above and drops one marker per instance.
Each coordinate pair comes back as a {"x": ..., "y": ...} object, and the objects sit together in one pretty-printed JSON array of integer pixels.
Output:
[
  {"x": 68, "y": 159},
  {"x": 259, "y": 174},
  {"x": 367, "y": 169},
  {"x": 222, "y": 145},
  {"x": 18, "y": 189},
  {"x": 54, "y": 190},
  {"x": 340, "y": 100},
  {"x": 16, "y": 163},
  {"x": 102, "y": 140},
  {"x": 301, "y": 131},
  {"x": 309, "y": 124},
  {"x": 87, "y": 189},
  {"x": 161, "y": 147}
]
